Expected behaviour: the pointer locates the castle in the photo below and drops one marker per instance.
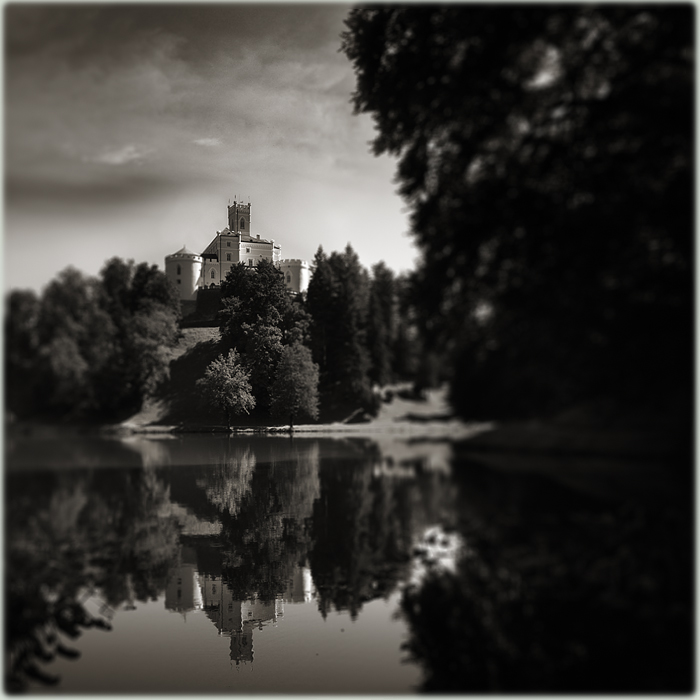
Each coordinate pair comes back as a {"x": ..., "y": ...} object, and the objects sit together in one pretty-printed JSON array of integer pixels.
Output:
[{"x": 235, "y": 244}]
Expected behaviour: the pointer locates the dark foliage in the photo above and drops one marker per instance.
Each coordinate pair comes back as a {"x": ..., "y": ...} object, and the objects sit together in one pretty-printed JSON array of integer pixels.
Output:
[
  {"x": 258, "y": 318},
  {"x": 546, "y": 155},
  {"x": 90, "y": 347},
  {"x": 337, "y": 301},
  {"x": 295, "y": 389},
  {"x": 381, "y": 324}
]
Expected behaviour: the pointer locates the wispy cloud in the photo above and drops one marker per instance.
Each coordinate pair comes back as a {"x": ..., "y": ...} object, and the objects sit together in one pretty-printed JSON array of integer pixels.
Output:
[
  {"x": 121, "y": 156},
  {"x": 209, "y": 142}
]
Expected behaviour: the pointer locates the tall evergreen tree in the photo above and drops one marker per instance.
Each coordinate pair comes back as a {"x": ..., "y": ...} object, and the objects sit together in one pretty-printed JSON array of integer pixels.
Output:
[
  {"x": 381, "y": 324},
  {"x": 338, "y": 302}
]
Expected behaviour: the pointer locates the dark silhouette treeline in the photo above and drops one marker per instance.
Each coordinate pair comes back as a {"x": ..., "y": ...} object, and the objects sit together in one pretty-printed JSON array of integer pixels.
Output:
[
  {"x": 546, "y": 156},
  {"x": 89, "y": 348},
  {"x": 93, "y": 349}
]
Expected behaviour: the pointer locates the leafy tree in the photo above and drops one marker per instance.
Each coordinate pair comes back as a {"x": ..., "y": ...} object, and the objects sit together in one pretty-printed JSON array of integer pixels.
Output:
[
  {"x": 144, "y": 309},
  {"x": 295, "y": 389},
  {"x": 251, "y": 296},
  {"x": 226, "y": 384},
  {"x": 21, "y": 348},
  {"x": 257, "y": 319},
  {"x": 263, "y": 349},
  {"x": 545, "y": 153},
  {"x": 90, "y": 347},
  {"x": 77, "y": 342}
]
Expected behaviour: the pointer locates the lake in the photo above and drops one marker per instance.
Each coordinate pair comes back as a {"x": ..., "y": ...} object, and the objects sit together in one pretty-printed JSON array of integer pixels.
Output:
[{"x": 210, "y": 563}]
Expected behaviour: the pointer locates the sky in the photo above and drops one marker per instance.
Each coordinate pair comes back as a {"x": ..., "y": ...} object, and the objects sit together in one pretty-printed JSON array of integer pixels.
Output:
[{"x": 129, "y": 128}]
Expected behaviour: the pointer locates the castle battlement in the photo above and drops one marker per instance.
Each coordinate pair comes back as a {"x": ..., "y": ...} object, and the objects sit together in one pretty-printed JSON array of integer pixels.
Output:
[{"x": 295, "y": 261}]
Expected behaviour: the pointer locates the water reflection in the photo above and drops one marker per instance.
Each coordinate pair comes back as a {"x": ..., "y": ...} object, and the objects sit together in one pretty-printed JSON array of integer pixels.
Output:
[
  {"x": 506, "y": 582},
  {"x": 233, "y": 528}
]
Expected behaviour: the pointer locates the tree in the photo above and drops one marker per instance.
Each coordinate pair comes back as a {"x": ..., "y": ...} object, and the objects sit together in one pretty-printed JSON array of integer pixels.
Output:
[
  {"x": 21, "y": 348},
  {"x": 257, "y": 319},
  {"x": 90, "y": 347},
  {"x": 381, "y": 323},
  {"x": 251, "y": 296},
  {"x": 337, "y": 301},
  {"x": 226, "y": 384},
  {"x": 545, "y": 153},
  {"x": 295, "y": 389}
]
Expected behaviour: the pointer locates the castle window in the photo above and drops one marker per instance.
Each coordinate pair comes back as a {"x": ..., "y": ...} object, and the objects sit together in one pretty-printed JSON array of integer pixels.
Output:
[
  {"x": 289, "y": 278},
  {"x": 242, "y": 224},
  {"x": 228, "y": 256},
  {"x": 179, "y": 281},
  {"x": 250, "y": 263},
  {"x": 213, "y": 274},
  {"x": 228, "y": 244},
  {"x": 179, "y": 270},
  {"x": 247, "y": 250}
]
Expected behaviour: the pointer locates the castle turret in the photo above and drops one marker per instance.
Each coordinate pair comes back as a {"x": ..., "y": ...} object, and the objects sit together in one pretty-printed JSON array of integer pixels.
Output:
[
  {"x": 184, "y": 269},
  {"x": 297, "y": 274}
]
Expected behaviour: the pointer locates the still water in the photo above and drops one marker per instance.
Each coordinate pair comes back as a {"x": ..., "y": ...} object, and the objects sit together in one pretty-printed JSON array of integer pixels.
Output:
[{"x": 268, "y": 564}]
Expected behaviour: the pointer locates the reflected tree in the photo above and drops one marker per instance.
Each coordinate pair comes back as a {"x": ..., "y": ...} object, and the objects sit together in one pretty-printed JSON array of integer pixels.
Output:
[
  {"x": 556, "y": 593},
  {"x": 269, "y": 535},
  {"x": 71, "y": 536},
  {"x": 364, "y": 526}
]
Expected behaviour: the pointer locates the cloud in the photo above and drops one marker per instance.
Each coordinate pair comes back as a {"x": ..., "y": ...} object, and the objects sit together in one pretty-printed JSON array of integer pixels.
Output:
[
  {"x": 209, "y": 142},
  {"x": 121, "y": 156}
]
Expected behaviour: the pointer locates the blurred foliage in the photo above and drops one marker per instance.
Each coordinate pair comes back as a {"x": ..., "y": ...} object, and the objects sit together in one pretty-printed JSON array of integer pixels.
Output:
[
  {"x": 545, "y": 153},
  {"x": 89, "y": 347}
]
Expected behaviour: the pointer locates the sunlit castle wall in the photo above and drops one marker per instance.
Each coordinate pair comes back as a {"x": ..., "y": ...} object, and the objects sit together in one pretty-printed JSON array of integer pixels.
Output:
[
  {"x": 184, "y": 270},
  {"x": 297, "y": 274}
]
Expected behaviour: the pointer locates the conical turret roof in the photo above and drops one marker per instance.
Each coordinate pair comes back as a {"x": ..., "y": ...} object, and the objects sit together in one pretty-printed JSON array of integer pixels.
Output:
[{"x": 184, "y": 252}]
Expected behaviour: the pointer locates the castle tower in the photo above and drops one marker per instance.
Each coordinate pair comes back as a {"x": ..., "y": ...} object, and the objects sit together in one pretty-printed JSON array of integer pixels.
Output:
[
  {"x": 239, "y": 218},
  {"x": 184, "y": 269}
]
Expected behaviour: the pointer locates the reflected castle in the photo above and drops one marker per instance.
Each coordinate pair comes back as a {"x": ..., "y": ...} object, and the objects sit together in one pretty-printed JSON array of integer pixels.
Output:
[{"x": 188, "y": 591}]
